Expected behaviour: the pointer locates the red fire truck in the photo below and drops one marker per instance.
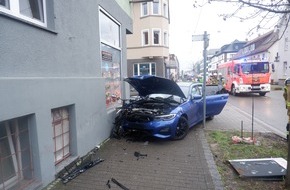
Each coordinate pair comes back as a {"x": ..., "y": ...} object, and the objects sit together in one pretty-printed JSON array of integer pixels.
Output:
[{"x": 246, "y": 76}]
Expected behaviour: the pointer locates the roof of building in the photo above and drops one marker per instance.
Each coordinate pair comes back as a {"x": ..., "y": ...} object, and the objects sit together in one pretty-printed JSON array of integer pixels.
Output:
[
  {"x": 234, "y": 46},
  {"x": 261, "y": 44}
]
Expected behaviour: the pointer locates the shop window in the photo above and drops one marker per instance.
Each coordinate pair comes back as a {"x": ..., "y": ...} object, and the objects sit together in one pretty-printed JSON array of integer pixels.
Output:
[
  {"x": 144, "y": 69},
  {"x": 111, "y": 58},
  {"x": 61, "y": 133},
  {"x": 15, "y": 154}
]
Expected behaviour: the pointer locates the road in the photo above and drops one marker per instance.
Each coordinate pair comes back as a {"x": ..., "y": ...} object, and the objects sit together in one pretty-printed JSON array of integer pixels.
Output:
[{"x": 269, "y": 109}]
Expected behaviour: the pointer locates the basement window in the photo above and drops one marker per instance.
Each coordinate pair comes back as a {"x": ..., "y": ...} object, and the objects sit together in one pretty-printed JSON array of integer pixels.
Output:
[
  {"x": 61, "y": 133},
  {"x": 15, "y": 154}
]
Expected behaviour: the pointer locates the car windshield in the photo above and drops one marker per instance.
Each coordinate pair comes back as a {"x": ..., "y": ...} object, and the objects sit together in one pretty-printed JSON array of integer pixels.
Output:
[
  {"x": 259, "y": 67},
  {"x": 185, "y": 90},
  {"x": 166, "y": 97}
]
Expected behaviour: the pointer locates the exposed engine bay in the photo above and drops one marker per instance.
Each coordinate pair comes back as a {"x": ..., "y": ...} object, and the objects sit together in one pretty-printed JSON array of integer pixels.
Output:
[{"x": 146, "y": 109}]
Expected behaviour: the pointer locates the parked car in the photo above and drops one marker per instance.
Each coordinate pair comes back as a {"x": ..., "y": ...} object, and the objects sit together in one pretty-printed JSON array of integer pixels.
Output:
[{"x": 166, "y": 109}]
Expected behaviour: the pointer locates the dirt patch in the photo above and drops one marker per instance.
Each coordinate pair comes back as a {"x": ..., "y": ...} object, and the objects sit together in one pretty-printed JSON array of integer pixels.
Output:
[{"x": 222, "y": 152}]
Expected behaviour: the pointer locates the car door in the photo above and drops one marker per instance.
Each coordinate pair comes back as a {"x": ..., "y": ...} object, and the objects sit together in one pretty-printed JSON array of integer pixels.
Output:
[
  {"x": 195, "y": 113},
  {"x": 215, "y": 103}
]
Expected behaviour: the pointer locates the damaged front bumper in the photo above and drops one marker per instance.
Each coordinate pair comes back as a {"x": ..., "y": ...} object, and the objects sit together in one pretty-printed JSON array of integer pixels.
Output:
[{"x": 161, "y": 128}]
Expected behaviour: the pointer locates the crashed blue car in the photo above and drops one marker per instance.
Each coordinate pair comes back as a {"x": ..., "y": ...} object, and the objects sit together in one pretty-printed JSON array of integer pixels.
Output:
[{"x": 166, "y": 109}]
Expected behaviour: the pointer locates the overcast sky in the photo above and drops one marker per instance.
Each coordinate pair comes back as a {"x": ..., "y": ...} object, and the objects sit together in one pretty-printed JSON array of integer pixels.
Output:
[{"x": 185, "y": 21}]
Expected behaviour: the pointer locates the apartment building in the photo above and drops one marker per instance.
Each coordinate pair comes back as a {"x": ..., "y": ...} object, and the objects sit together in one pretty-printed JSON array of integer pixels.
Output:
[
  {"x": 60, "y": 79},
  {"x": 148, "y": 46},
  {"x": 224, "y": 54},
  {"x": 280, "y": 55}
]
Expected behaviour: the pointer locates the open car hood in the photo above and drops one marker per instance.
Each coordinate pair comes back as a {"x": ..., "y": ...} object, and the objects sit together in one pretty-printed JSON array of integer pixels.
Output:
[{"x": 146, "y": 85}]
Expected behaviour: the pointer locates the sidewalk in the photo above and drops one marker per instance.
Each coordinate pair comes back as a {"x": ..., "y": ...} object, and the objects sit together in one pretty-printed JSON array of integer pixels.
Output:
[{"x": 169, "y": 165}]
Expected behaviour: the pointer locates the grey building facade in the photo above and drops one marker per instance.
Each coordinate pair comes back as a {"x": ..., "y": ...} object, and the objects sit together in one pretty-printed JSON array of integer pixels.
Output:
[{"x": 61, "y": 71}]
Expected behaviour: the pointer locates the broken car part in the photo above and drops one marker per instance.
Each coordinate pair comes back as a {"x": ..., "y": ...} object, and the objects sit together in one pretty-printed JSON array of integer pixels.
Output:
[
  {"x": 138, "y": 155},
  {"x": 119, "y": 184},
  {"x": 79, "y": 169}
]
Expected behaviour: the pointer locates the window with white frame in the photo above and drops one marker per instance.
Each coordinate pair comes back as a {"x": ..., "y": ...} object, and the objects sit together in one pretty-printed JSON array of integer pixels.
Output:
[
  {"x": 15, "y": 153},
  {"x": 165, "y": 38},
  {"x": 165, "y": 9},
  {"x": 145, "y": 37},
  {"x": 144, "y": 9},
  {"x": 156, "y": 7},
  {"x": 144, "y": 69},
  {"x": 30, "y": 10},
  {"x": 61, "y": 133},
  {"x": 4, "y": 3},
  {"x": 156, "y": 36},
  {"x": 110, "y": 31}
]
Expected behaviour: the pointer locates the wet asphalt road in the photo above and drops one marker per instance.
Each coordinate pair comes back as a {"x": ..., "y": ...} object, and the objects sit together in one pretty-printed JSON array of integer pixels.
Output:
[{"x": 269, "y": 109}]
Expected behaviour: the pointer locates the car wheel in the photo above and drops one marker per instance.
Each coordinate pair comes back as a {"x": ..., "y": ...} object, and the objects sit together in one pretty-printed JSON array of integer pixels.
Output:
[
  {"x": 181, "y": 129},
  {"x": 233, "y": 90},
  {"x": 210, "y": 118}
]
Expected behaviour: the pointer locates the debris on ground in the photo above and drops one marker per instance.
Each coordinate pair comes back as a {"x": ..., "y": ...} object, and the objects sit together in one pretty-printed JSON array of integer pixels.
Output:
[
  {"x": 260, "y": 168},
  {"x": 108, "y": 184},
  {"x": 247, "y": 140},
  {"x": 117, "y": 183},
  {"x": 139, "y": 155},
  {"x": 78, "y": 166}
]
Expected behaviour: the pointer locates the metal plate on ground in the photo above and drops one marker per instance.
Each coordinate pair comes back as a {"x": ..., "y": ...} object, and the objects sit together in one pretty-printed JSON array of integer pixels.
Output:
[{"x": 261, "y": 168}]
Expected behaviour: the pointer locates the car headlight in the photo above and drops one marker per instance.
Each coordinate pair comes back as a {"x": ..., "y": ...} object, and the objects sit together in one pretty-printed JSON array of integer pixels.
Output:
[{"x": 165, "y": 117}]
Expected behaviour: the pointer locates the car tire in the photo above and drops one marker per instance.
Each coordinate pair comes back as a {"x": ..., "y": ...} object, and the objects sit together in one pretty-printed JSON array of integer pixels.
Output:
[
  {"x": 233, "y": 90},
  {"x": 209, "y": 118},
  {"x": 181, "y": 129}
]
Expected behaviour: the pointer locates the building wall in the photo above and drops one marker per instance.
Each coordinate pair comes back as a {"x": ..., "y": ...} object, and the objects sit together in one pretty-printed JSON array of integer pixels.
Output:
[
  {"x": 282, "y": 64},
  {"x": 272, "y": 54},
  {"x": 279, "y": 55},
  {"x": 46, "y": 68},
  {"x": 138, "y": 52}
]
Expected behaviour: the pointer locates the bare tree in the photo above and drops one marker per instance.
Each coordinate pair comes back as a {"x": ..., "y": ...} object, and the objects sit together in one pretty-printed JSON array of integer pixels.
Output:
[{"x": 268, "y": 13}]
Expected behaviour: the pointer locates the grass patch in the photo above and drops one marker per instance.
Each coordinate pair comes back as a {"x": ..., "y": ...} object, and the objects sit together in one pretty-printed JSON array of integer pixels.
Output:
[{"x": 268, "y": 145}]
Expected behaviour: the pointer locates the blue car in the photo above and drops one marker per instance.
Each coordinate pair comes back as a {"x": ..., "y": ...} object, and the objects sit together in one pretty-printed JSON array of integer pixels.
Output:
[{"x": 166, "y": 109}]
